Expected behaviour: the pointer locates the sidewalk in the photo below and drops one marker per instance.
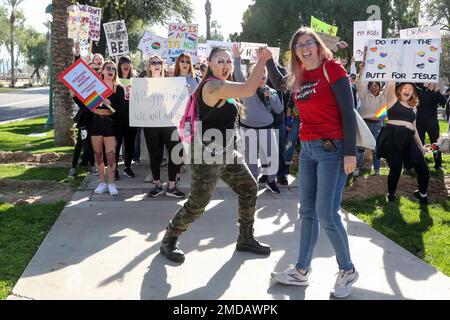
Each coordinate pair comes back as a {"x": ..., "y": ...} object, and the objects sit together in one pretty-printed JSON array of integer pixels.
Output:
[{"x": 104, "y": 247}]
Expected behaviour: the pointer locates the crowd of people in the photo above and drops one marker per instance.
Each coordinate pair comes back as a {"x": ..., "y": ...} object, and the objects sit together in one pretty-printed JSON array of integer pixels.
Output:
[{"x": 308, "y": 106}]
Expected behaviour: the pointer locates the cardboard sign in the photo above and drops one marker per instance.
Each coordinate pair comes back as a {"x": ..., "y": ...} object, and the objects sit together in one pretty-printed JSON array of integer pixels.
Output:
[
  {"x": 86, "y": 84},
  {"x": 151, "y": 44},
  {"x": 249, "y": 50},
  {"x": 158, "y": 102},
  {"x": 95, "y": 17},
  {"x": 433, "y": 32},
  {"x": 202, "y": 49},
  {"x": 329, "y": 40},
  {"x": 77, "y": 24},
  {"x": 403, "y": 60},
  {"x": 363, "y": 31},
  {"x": 320, "y": 26},
  {"x": 182, "y": 37},
  {"x": 117, "y": 38}
]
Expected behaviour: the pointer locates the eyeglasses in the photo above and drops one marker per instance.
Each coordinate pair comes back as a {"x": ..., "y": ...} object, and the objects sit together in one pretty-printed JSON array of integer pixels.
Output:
[
  {"x": 308, "y": 44},
  {"x": 156, "y": 63},
  {"x": 185, "y": 61},
  {"x": 109, "y": 68}
]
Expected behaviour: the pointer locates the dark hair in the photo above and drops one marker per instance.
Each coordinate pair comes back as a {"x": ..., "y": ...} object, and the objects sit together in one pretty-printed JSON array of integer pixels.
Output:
[
  {"x": 376, "y": 82},
  {"x": 124, "y": 60}
]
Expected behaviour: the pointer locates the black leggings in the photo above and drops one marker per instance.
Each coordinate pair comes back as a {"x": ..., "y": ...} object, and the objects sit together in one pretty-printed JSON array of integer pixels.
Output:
[
  {"x": 86, "y": 146},
  {"x": 395, "y": 162},
  {"x": 156, "y": 138},
  {"x": 126, "y": 134},
  {"x": 432, "y": 128}
]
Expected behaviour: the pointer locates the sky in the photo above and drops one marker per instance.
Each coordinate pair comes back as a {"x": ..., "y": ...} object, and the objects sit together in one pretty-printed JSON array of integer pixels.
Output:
[{"x": 230, "y": 22}]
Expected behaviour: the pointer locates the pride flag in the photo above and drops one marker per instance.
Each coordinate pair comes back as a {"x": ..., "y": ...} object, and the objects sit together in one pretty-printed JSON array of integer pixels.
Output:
[
  {"x": 93, "y": 101},
  {"x": 382, "y": 112}
]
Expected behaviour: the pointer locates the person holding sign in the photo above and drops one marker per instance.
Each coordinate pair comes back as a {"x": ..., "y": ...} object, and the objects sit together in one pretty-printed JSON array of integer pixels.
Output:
[
  {"x": 219, "y": 110},
  {"x": 399, "y": 142},
  {"x": 103, "y": 130},
  {"x": 158, "y": 137},
  {"x": 323, "y": 96}
]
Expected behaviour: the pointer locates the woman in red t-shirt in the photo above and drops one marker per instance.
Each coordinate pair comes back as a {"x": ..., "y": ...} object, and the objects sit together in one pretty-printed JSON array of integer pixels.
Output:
[{"x": 323, "y": 96}]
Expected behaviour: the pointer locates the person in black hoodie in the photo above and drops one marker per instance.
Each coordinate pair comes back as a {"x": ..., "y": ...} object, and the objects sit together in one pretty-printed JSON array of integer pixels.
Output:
[{"x": 427, "y": 116}]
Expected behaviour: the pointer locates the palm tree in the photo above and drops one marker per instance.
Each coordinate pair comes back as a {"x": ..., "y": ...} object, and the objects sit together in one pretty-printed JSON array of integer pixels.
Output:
[
  {"x": 62, "y": 59},
  {"x": 13, "y": 4}
]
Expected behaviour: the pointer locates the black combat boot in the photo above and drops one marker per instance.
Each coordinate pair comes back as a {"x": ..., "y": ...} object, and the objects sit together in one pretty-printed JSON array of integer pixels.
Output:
[
  {"x": 170, "y": 250},
  {"x": 247, "y": 242}
]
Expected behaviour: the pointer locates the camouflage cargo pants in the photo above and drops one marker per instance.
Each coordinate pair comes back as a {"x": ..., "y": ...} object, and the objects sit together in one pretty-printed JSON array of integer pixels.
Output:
[{"x": 203, "y": 182}]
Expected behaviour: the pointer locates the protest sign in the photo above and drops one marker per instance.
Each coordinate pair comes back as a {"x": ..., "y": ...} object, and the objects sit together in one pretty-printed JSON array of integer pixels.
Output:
[
  {"x": 320, "y": 26},
  {"x": 329, "y": 40},
  {"x": 249, "y": 50},
  {"x": 433, "y": 32},
  {"x": 117, "y": 38},
  {"x": 182, "y": 37},
  {"x": 202, "y": 49},
  {"x": 402, "y": 60},
  {"x": 363, "y": 31},
  {"x": 221, "y": 44},
  {"x": 95, "y": 17},
  {"x": 158, "y": 102},
  {"x": 126, "y": 83},
  {"x": 86, "y": 84},
  {"x": 151, "y": 44},
  {"x": 77, "y": 24}
]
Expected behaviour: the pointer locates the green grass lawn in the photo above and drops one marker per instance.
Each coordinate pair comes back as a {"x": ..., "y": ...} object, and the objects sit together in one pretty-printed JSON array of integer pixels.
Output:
[
  {"x": 15, "y": 137},
  {"x": 423, "y": 231},
  {"x": 22, "y": 230}
]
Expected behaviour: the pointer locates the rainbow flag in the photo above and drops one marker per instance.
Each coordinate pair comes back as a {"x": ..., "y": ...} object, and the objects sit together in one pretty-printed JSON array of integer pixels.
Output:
[
  {"x": 93, "y": 101},
  {"x": 382, "y": 112}
]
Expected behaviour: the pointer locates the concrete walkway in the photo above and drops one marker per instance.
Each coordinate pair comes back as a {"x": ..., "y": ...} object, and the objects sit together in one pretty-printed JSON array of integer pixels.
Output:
[{"x": 104, "y": 247}]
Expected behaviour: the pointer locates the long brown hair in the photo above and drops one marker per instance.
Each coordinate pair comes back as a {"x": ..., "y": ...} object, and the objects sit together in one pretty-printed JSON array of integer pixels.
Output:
[
  {"x": 177, "y": 71},
  {"x": 414, "y": 100},
  {"x": 297, "y": 67},
  {"x": 115, "y": 73}
]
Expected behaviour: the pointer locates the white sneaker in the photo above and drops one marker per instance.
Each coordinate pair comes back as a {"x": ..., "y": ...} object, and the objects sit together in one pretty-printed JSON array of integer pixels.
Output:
[
  {"x": 291, "y": 276},
  {"x": 112, "y": 189},
  {"x": 148, "y": 178},
  {"x": 101, "y": 188},
  {"x": 343, "y": 286}
]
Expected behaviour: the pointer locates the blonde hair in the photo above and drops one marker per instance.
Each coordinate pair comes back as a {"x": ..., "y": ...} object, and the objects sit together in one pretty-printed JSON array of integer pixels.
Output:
[
  {"x": 148, "y": 72},
  {"x": 297, "y": 67}
]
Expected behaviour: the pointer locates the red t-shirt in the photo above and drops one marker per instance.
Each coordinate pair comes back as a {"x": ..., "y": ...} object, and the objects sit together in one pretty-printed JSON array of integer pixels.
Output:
[{"x": 319, "y": 111}]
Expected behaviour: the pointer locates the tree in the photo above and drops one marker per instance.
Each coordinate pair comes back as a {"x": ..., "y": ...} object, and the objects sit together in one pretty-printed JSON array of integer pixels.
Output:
[
  {"x": 35, "y": 49},
  {"x": 438, "y": 13},
  {"x": 215, "y": 31},
  {"x": 139, "y": 13},
  {"x": 13, "y": 4},
  {"x": 62, "y": 59}
]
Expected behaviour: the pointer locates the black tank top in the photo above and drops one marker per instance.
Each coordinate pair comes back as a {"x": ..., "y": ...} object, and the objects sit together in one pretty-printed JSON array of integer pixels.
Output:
[
  {"x": 400, "y": 112},
  {"x": 221, "y": 118}
]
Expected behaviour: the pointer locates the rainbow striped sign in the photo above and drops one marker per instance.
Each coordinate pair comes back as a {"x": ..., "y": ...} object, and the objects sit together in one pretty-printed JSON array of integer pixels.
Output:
[
  {"x": 94, "y": 100},
  {"x": 381, "y": 113}
]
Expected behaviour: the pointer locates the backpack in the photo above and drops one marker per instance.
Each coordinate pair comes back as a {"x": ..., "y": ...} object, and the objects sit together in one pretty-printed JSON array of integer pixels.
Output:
[{"x": 187, "y": 128}]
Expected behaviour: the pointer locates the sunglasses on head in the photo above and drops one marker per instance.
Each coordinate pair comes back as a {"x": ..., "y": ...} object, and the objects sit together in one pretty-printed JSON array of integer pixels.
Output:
[
  {"x": 156, "y": 63},
  {"x": 110, "y": 68}
]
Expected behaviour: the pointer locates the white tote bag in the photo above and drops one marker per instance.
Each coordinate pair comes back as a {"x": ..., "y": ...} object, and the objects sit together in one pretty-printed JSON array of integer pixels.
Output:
[{"x": 364, "y": 138}]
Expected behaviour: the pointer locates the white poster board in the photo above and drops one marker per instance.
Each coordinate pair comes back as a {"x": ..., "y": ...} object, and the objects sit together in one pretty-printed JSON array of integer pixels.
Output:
[
  {"x": 275, "y": 54},
  {"x": 363, "y": 31},
  {"x": 77, "y": 24},
  {"x": 151, "y": 44},
  {"x": 433, "y": 32},
  {"x": 202, "y": 49},
  {"x": 182, "y": 37},
  {"x": 403, "y": 60},
  {"x": 158, "y": 102},
  {"x": 249, "y": 50},
  {"x": 222, "y": 44},
  {"x": 117, "y": 38}
]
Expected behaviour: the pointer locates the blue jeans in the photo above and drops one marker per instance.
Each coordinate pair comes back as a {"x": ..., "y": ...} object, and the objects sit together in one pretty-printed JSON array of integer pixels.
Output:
[
  {"x": 292, "y": 139},
  {"x": 321, "y": 184},
  {"x": 375, "y": 128}
]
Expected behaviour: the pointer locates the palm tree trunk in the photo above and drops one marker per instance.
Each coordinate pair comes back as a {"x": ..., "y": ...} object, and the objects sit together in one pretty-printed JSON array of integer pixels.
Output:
[{"x": 62, "y": 59}]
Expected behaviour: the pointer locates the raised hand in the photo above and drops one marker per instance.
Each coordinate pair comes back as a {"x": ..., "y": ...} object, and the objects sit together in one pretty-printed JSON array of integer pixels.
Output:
[{"x": 236, "y": 50}]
